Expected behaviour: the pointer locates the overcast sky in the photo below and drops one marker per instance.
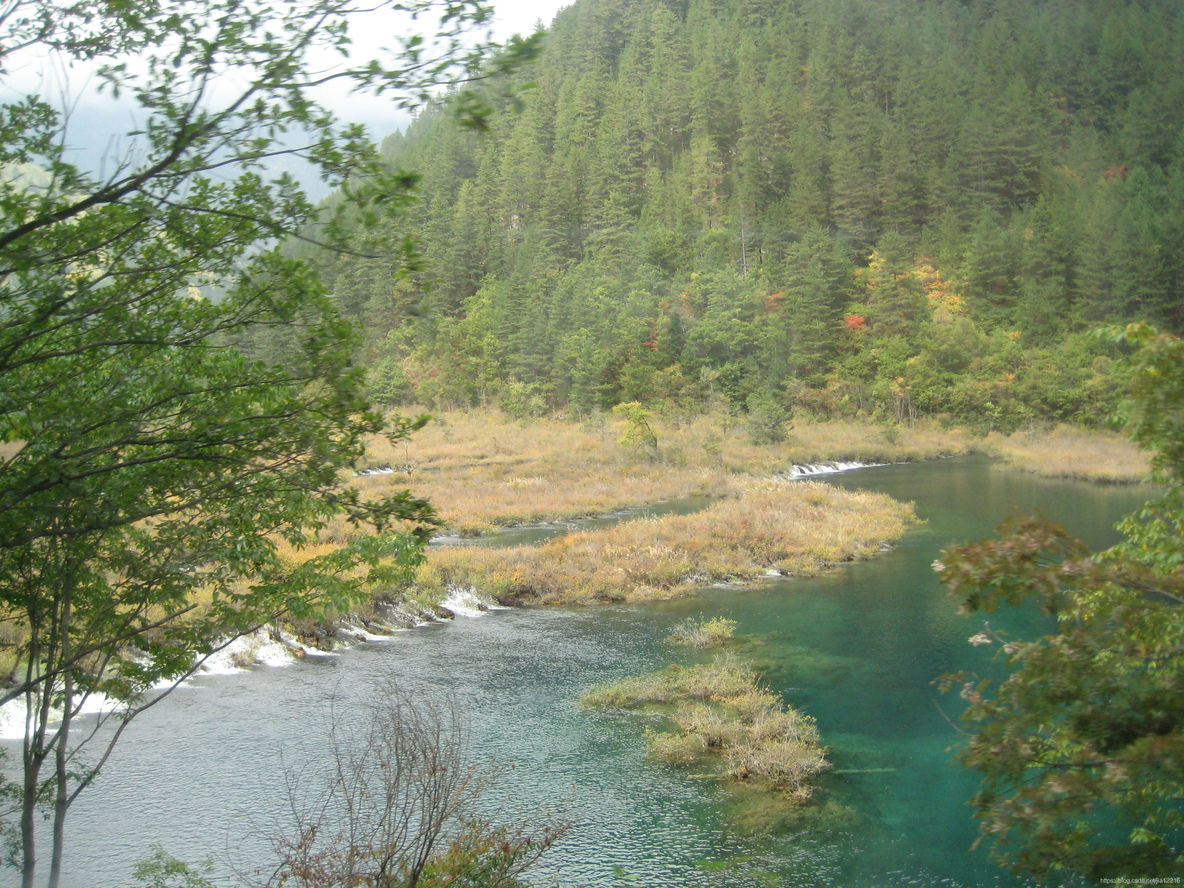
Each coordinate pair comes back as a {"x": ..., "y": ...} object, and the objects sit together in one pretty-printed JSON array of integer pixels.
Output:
[
  {"x": 519, "y": 16},
  {"x": 511, "y": 17},
  {"x": 96, "y": 123}
]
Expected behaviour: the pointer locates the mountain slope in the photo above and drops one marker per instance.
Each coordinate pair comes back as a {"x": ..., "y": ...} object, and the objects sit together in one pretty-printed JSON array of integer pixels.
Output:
[{"x": 896, "y": 207}]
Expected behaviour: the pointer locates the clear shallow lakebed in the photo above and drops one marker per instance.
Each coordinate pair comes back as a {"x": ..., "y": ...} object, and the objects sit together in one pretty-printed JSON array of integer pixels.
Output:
[{"x": 857, "y": 648}]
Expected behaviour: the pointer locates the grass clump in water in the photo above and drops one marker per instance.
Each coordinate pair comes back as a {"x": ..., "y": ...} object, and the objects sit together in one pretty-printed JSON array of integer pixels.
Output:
[
  {"x": 753, "y": 812},
  {"x": 725, "y": 676},
  {"x": 703, "y": 633},
  {"x": 680, "y": 748},
  {"x": 719, "y": 715}
]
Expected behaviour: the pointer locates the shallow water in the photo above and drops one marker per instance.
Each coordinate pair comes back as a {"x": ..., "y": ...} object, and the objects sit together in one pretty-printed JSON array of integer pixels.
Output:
[
  {"x": 531, "y": 534},
  {"x": 858, "y": 649}
]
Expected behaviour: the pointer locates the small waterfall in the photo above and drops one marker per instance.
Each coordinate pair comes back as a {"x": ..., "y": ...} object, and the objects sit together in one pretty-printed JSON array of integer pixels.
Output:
[
  {"x": 384, "y": 470},
  {"x": 12, "y": 714},
  {"x": 465, "y": 602},
  {"x": 263, "y": 647},
  {"x": 254, "y": 649},
  {"x": 827, "y": 469}
]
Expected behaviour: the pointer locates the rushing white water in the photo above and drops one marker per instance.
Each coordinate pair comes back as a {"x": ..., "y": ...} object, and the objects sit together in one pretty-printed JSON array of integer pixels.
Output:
[
  {"x": 12, "y": 720},
  {"x": 13, "y": 714},
  {"x": 828, "y": 468},
  {"x": 263, "y": 647},
  {"x": 465, "y": 602}
]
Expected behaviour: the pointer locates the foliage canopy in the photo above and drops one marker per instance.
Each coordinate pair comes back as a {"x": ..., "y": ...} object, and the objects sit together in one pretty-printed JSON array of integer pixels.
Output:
[
  {"x": 169, "y": 473},
  {"x": 1081, "y": 745}
]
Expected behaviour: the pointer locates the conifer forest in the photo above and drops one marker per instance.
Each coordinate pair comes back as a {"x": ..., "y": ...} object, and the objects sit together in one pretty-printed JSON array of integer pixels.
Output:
[{"x": 890, "y": 209}]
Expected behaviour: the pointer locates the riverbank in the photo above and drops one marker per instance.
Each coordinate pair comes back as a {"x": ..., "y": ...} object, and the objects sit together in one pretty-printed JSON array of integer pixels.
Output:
[
  {"x": 1066, "y": 452},
  {"x": 770, "y": 527},
  {"x": 484, "y": 470}
]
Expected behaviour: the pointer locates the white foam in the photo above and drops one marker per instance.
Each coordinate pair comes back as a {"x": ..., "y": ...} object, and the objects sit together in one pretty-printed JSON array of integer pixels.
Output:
[
  {"x": 361, "y": 633},
  {"x": 97, "y": 704},
  {"x": 263, "y": 647},
  {"x": 13, "y": 721},
  {"x": 465, "y": 602},
  {"x": 828, "y": 468},
  {"x": 257, "y": 648}
]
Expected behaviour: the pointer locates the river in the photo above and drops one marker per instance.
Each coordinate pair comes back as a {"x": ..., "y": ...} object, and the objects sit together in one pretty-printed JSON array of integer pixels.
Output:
[{"x": 202, "y": 773}]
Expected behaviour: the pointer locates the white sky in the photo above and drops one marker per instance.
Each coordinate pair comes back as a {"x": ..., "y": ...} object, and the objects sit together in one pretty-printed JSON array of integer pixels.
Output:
[
  {"x": 97, "y": 123},
  {"x": 519, "y": 16},
  {"x": 510, "y": 17}
]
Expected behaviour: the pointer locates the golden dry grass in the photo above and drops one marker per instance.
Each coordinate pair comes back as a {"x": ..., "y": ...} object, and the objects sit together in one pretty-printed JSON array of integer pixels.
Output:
[
  {"x": 720, "y": 709},
  {"x": 795, "y": 527},
  {"x": 1067, "y": 452},
  {"x": 482, "y": 470}
]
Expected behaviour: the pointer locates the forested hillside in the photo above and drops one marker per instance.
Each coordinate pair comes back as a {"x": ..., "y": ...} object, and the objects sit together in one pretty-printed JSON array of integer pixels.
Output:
[{"x": 899, "y": 208}]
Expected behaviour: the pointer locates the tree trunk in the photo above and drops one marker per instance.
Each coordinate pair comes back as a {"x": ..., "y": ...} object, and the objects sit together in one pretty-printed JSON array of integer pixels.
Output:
[
  {"x": 28, "y": 822},
  {"x": 61, "y": 757},
  {"x": 37, "y": 705},
  {"x": 33, "y": 751}
]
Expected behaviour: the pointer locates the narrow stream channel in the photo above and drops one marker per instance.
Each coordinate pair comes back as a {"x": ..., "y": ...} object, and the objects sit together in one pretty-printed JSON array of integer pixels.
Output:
[{"x": 857, "y": 648}]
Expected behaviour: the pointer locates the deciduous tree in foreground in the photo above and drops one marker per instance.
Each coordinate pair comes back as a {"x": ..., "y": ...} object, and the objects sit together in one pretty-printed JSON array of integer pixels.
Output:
[
  {"x": 395, "y": 806},
  {"x": 161, "y": 488},
  {"x": 1081, "y": 746}
]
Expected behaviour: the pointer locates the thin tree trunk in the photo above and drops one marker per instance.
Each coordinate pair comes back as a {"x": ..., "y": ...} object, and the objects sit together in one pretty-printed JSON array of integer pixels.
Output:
[
  {"x": 61, "y": 754},
  {"x": 37, "y": 705},
  {"x": 28, "y": 821},
  {"x": 32, "y": 754}
]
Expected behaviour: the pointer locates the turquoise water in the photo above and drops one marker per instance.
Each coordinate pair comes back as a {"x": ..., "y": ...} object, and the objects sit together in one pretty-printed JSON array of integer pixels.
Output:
[{"x": 859, "y": 648}]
